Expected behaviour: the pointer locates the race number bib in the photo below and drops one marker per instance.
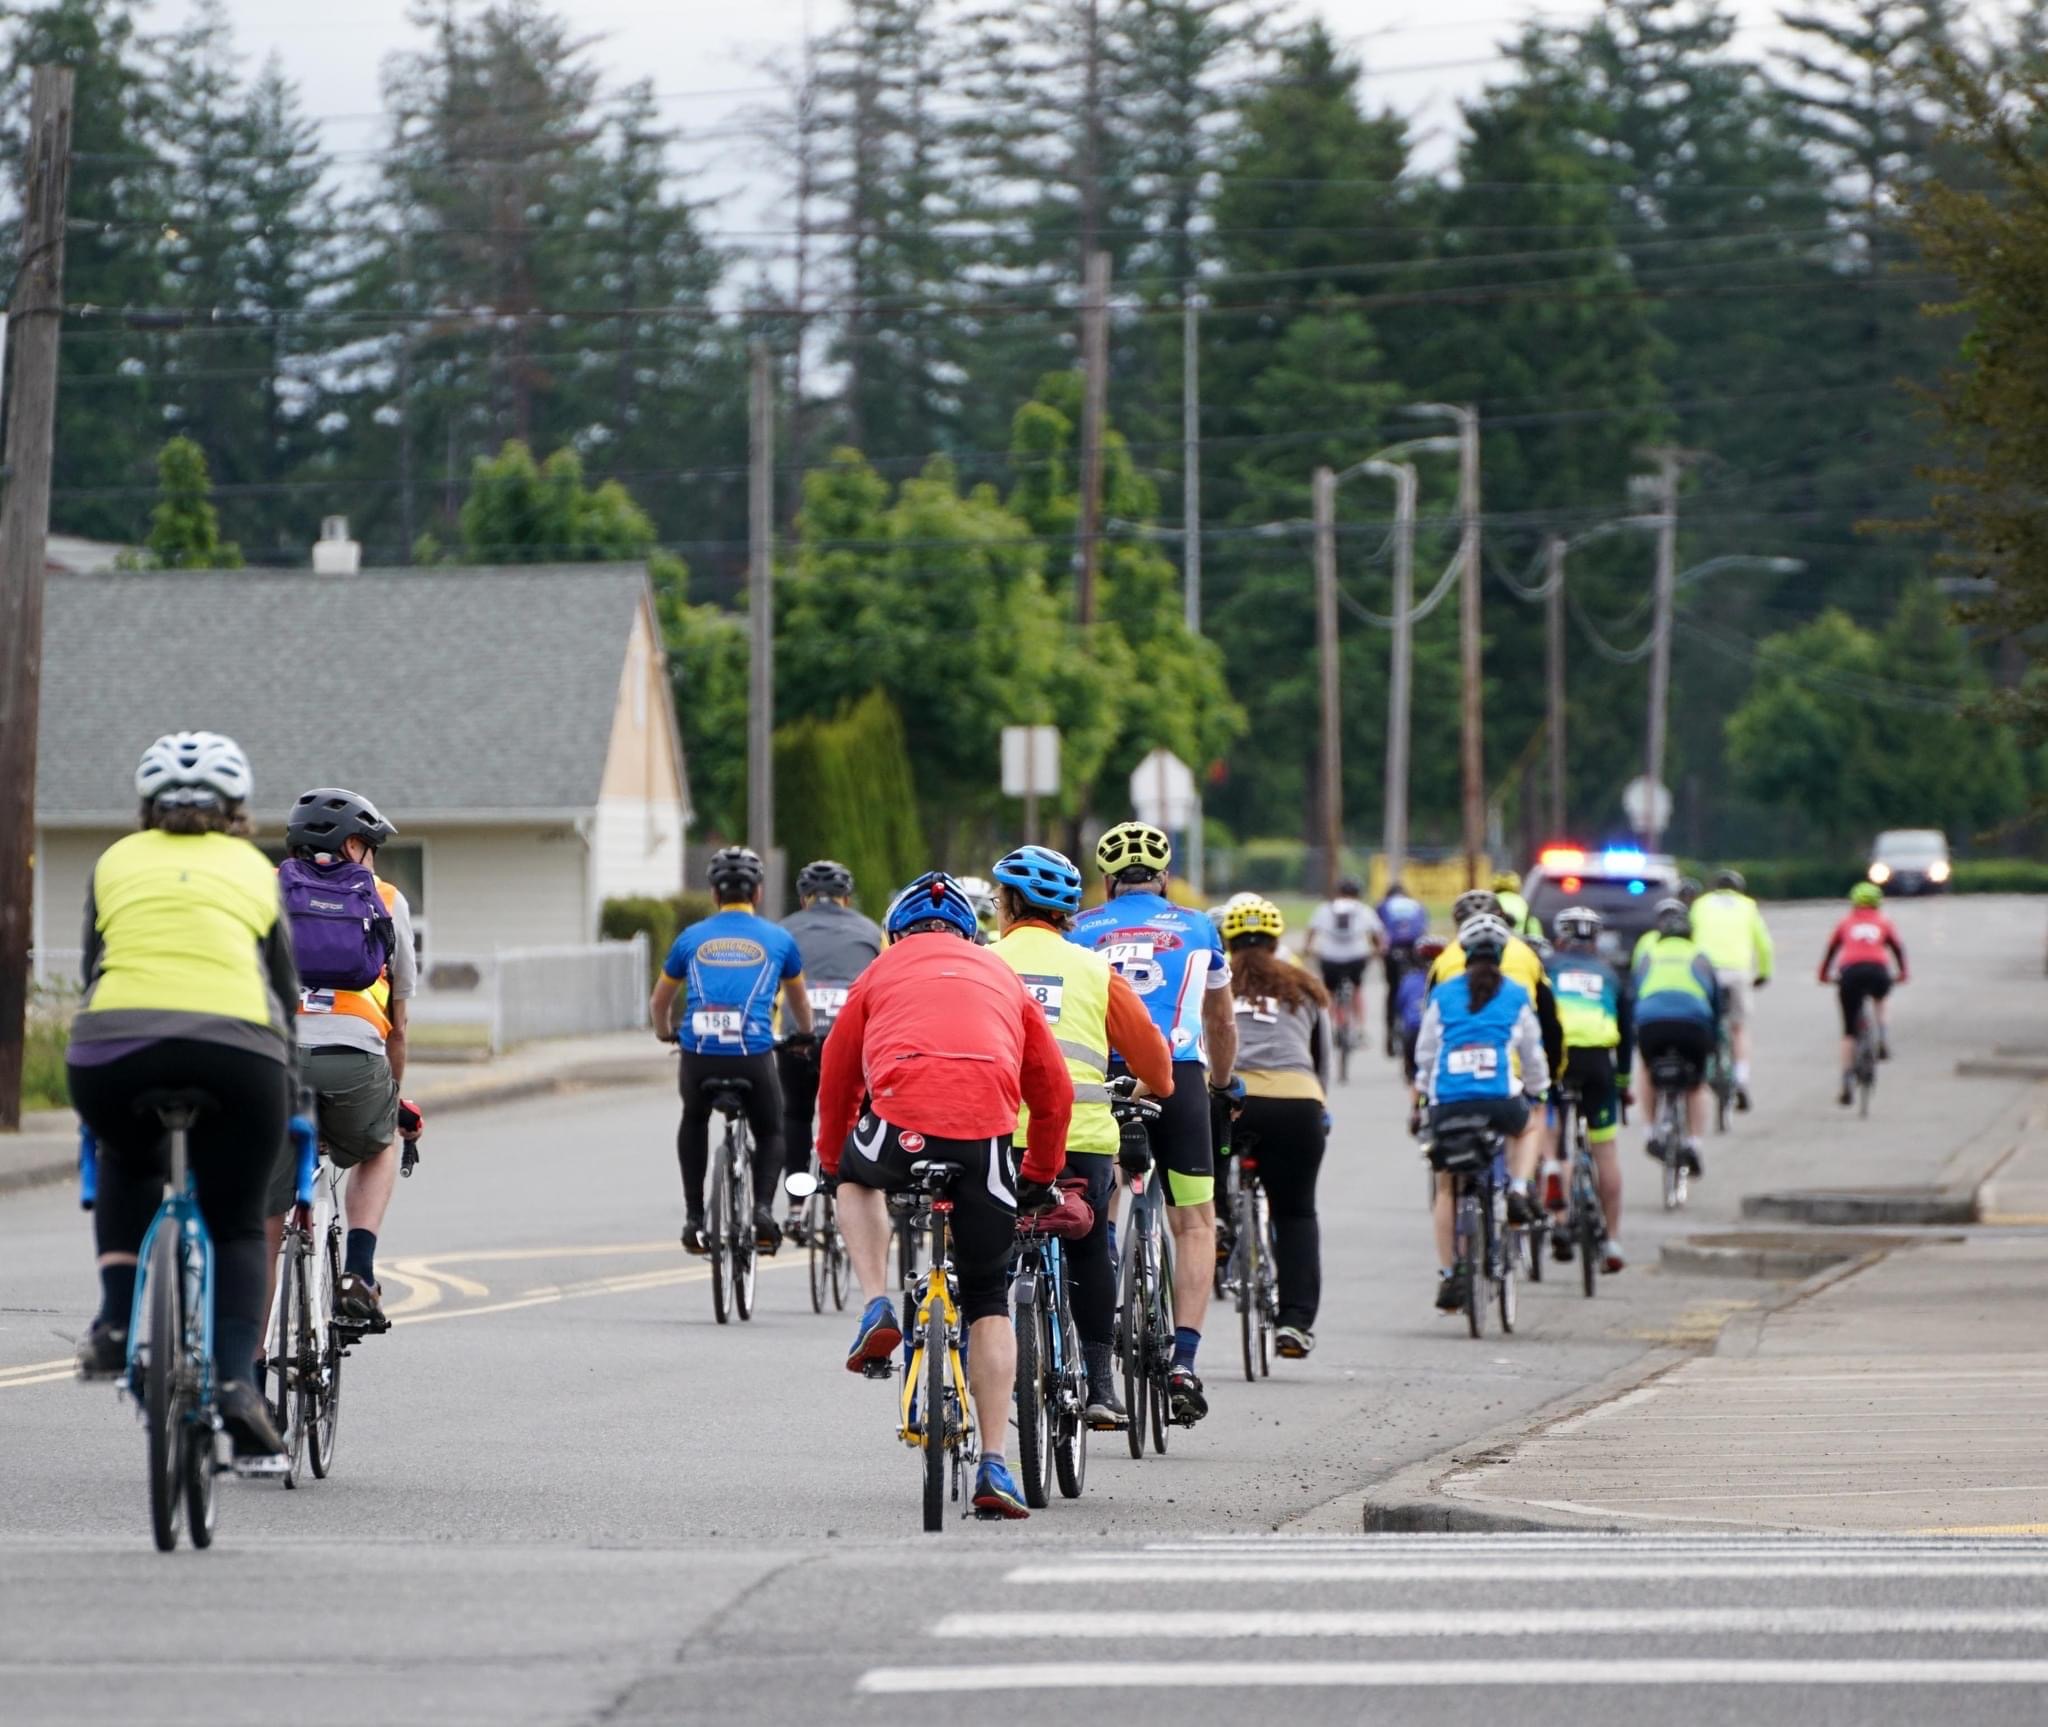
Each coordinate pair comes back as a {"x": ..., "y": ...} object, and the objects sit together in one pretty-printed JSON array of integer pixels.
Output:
[
  {"x": 723, "y": 1023},
  {"x": 1262, "y": 1008},
  {"x": 827, "y": 1002},
  {"x": 1126, "y": 954},
  {"x": 1047, "y": 992},
  {"x": 316, "y": 1001},
  {"x": 1580, "y": 983},
  {"x": 1474, "y": 1061}
]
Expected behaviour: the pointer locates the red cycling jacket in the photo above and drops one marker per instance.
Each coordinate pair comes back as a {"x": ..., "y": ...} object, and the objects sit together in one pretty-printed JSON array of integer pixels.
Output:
[
  {"x": 940, "y": 1037},
  {"x": 1864, "y": 937}
]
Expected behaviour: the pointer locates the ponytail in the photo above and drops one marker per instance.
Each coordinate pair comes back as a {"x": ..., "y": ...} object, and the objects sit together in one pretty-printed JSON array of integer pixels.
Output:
[{"x": 1482, "y": 979}]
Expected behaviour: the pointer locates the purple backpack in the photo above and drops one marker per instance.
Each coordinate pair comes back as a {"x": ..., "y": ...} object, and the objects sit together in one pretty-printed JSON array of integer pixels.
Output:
[{"x": 341, "y": 933}]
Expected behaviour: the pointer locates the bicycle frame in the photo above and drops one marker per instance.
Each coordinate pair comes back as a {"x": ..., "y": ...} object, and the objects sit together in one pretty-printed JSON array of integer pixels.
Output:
[
  {"x": 179, "y": 1211},
  {"x": 935, "y": 1300}
]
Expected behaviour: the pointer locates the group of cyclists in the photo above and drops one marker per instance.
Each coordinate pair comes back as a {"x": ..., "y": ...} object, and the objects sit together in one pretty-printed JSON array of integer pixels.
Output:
[{"x": 981, "y": 1023}]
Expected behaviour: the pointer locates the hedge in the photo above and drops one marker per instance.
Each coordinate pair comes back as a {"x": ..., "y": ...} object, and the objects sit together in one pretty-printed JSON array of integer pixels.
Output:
[
  {"x": 1832, "y": 878},
  {"x": 844, "y": 789},
  {"x": 658, "y": 919}
]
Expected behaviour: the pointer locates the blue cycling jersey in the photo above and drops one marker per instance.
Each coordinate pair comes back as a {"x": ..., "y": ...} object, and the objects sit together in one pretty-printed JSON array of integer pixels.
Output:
[
  {"x": 731, "y": 967},
  {"x": 1166, "y": 953},
  {"x": 1406, "y": 920}
]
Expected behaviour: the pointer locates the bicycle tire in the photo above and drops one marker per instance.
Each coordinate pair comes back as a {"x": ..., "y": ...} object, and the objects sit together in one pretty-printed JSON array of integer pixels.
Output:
[
  {"x": 200, "y": 1503},
  {"x": 302, "y": 1354},
  {"x": 1537, "y": 1232},
  {"x": 1474, "y": 1262},
  {"x": 937, "y": 1453},
  {"x": 286, "y": 1356},
  {"x": 840, "y": 1263},
  {"x": 1131, "y": 1347},
  {"x": 1507, "y": 1249},
  {"x": 715, "y": 1215},
  {"x": 819, "y": 1250},
  {"x": 1034, "y": 1412},
  {"x": 1070, "y": 1432},
  {"x": 1269, "y": 1284},
  {"x": 325, "y": 1421},
  {"x": 745, "y": 1251},
  {"x": 1162, "y": 1337},
  {"x": 160, "y": 1400},
  {"x": 1245, "y": 1251}
]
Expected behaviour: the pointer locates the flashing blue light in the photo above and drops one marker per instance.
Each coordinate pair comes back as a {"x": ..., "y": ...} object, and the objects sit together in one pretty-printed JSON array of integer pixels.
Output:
[
  {"x": 1635, "y": 887},
  {"x": 1624, "y": 859}
]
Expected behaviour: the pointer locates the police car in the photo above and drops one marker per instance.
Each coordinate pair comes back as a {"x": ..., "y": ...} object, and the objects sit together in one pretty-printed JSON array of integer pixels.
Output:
[{"x": 1622, "y": 884}]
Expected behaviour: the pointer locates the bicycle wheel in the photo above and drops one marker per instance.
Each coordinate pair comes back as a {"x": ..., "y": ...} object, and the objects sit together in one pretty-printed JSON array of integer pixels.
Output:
[
  {"x": 159, "y": 1346},
  {"x": 199, "y": 1475},
  {"x": 1246, "y": 1252},
  {"x": 937, "y": 1452},
  {"x": 1589, "y": 1253},
  {"x": 716, "y": 1229},
  {"x": 287, "y": 1404},
  {"x": 1507, "y": 1252},
  {"x": 1269, "y": 1284},
  {"x": 1070, "y": 1428},
  {"x": 1132, "y": 1321},
  {"x": 840, "y": 1263},
  {"x": 1162, "y": 1336},
  {"x": 820, "y": 1249},
  {"x": 327, "y": 1345},
  {"x": 745, "y": 1253},
  {"x": 1537, "y": 1231},
  {"x": 1034, "y": 1411},
  {"x": 1472, "y": 1258}
]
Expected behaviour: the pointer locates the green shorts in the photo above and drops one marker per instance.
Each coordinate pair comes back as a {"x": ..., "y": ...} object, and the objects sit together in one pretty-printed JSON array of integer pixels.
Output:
[{"x": 358, "y": 1108}]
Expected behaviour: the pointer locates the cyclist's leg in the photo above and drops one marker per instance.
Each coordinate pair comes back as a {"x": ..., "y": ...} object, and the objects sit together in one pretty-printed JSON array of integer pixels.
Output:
[
  {"x": 693, "y": 1136},
  {"x": 1290, "y": 1138},
  {"x": 798, "y": 1073},
  {"x": 1850, "y": 993},
  {"x": 764, "y": 1120},
  {"x": 1444, "y": 1224},
  {"x": 984, "y": 1231},
  {"x": 234, "y": 1151},
  {"x": 131, "y": 1179},
  {"x": 1088, "y": 1260},
  {"x": 870, "y": 1163},
  {"x": 359, "y": 1124},
  {"x": 1181, "y": 1147},
  {"x": 1600, "y": 1108}
]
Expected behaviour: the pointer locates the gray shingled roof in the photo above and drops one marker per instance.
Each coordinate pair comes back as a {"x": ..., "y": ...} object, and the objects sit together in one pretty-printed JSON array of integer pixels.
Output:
[{"x": 435, "y": 692}]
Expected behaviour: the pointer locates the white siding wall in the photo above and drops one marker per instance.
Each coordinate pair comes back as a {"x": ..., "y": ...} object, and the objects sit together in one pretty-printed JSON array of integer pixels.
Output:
[
  {"x": 492, "y": 888},
  {"x": 638, "y": 845},
  {"x": 64, "y": 861}
]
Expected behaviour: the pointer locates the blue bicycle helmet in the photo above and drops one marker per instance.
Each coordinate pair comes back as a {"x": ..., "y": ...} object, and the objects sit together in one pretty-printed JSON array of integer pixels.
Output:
[
  {"x": 933, "y": 901},
  {"x": 1045, "y": 878}
]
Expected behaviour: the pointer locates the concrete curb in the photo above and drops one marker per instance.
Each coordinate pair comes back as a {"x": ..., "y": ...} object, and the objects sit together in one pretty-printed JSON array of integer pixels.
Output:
[
  {"x": 1774, "y": 1255},
  {"x": 1863, "y": 1207},
  {"x": 2009, "y": 1067}
]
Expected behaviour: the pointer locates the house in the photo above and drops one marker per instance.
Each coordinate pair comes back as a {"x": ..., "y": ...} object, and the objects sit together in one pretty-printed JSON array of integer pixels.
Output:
[{"x": 516, "y": 724}]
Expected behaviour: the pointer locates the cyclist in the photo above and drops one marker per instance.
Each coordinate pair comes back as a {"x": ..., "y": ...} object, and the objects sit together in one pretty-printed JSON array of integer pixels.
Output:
[
  {"x": 1861, "y": 950},
  {"x": 1597, "y": 1012},
  {"x": 353, "y": 1040},
  {"x": 946, "y": 1047},
  {"x": 835, "y": 944},
  {"x": 1678, "y": 1012},
  {"x": 982, "y": 896},
  {"x": 1343, "y": 936},
  {"x": 1730, "y": 930},
  {"x": 189, "y": 984},
  {"x": 716, "y": 999},
  {"x": 1283, "y": 1051},
  {"x": 1480, "y": 1051},
  {"x": 1404, "y": 921},
  {"x": 1410, "y": 998},
  {"x": 1091, "y": 1011},
  {"x": 1519, "y": 961},
  {"x": 1173, "y": 958},
  {"x": 1514, "y": 909}
]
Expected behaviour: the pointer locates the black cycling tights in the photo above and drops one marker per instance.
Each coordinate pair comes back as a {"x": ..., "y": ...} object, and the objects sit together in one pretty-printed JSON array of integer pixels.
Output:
[
  {"x": 233, "y": 1149},
  {"x": 1286, "y": 1135},
  {"x": 1088, "y": 1259},
  {"x": 764, "y": 1118}
]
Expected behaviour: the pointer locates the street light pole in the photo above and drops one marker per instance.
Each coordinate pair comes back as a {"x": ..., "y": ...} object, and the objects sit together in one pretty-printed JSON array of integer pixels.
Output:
[
  {"x": 1471, "y": 727},
  {"x": 1326, "y": 644},
  {"x": 1666, "y": 484},
  {"x": 1394, "y": 838},
  {"x": 761, "y": 612},
  {"x": 1191, "y": 537},
  {"x": 1553, "y": 645}
]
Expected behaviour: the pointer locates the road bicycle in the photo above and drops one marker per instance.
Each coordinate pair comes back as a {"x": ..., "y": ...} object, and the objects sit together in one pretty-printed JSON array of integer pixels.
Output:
[
  {"x": 308, "y": 1335},
  {"x": 829, "y": 1267},
  {"x": 1721, "y": 1077},
  {"x": 1585, "y": 1223},
  {"x": 1250, "y": 1276},
  {"x": 1396, "y": 961},
  {"x": 729, "y": 1218},
  {"x": 1864, "y": 1065},
  {"x": 1052, "y": 1377},
  {"x": 1675, "y": 1078},
  {"x": 1344, "y": 1015},
  {"x": 936, "y": 1413},
  {"x": 1144, "y": 1312},
  {"x": 1489, "y": 1253}
]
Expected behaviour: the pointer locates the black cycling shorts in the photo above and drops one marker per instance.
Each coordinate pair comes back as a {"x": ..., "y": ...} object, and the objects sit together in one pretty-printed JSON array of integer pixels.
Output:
[
  {"x": 1508, "y": 1115},
  {"x": 1677, "y": 1037},
  {"x": 1339, "y": 972},
  {"x": 1182, "y": 1136},
  {"x": 1589, "y": 1076},
  {"x": 984, "y": 1195},
  {"x": 1869, "y": 981}
]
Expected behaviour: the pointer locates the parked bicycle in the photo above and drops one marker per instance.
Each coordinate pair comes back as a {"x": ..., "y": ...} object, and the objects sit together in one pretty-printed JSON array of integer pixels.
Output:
[
  {"x": 1144, "y": 1313},
  {"x": 1052, "y": 1377},
  {"x": 729, "y": 1218},
  {"x": 1489, "y": 1253}
]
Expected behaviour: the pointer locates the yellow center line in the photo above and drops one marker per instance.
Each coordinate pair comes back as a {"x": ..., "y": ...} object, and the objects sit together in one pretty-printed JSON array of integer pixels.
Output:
[{"x": 34, "y": 1371}]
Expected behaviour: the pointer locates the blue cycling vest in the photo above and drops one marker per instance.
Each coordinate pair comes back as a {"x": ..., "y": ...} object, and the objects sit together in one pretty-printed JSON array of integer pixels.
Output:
[
  {"x": 1163, "y": 951},
  {"x": 1476, "y": 1057}
]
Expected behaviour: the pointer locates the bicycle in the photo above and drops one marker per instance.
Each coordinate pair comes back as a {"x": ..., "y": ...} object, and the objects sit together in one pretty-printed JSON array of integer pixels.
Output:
[
  {"x": 1471, "y": 1151},
  {"x": 1865, "y": 1062},
  {"x": 1144, "y": 1312},
  {"x": 1675, "y": 1079},
  {"x": 1721, "y": 1076},
  {"x": 1249, "y": 1275},
  {"x": 1585, "y": 1222},
  {"x": 729, "y": 1218},
  {"x": 1344, "y": 1008},
  {"x": 1052, "y": 1377},
  {"x": 309, "y": 1337},
  {"x": 829, "y": 1263},
  {"x": 1397, "y": 960}
]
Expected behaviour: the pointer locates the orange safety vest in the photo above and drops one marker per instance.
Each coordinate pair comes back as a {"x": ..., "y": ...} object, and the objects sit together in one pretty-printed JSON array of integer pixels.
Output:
[{"x": 372, "y": 1004}]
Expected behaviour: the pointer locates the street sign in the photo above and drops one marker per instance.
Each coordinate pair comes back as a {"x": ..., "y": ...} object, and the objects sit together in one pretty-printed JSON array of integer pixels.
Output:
[
  {"x": 1163, "y": 791},
  {"x": 1031, "y": 761},
  {"x": 1647, "y": 805}
]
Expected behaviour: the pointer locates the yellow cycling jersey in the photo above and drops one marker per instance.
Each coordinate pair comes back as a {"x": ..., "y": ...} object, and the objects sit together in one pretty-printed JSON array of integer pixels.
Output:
[{"x": 1518, "y": 961}]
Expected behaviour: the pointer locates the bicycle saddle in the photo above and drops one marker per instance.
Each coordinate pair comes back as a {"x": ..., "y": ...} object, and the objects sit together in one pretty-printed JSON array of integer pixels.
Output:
[
  {"x": 933, "y": 1174},
  {"x": 167, "y": 1101},
  {"x": 728, "y": 1096}
]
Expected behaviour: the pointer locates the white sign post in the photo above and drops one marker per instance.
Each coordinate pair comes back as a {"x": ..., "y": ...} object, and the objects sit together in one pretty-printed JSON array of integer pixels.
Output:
[
  {"x": 1647, "y": 805},
  {"x": 1163, "y": 791},
  {"x": 1031, "y": 770}
]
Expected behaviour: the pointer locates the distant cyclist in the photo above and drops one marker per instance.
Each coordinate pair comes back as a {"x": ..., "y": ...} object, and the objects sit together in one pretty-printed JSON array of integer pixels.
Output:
[
  {"x": 1861, "y": 952},
  {"x": 1410, "y": 996},
  {"x": 1730, "y": 930},
  {"x": 938, "y": 1048},
  {"x": 1173, "y": 958},
  {"x": 1519, "y": 961},
  {"x": 1514, "y": 909},
  {"x": 1597, "y": 1011},
  {"x": 1091, "y": 1010},
  {"x": 1343, "y": 936},
  {"x": 716, "y": 998},
  {"x": 1404, "y": 921},
  {"x": 1678, "y": 1013},
  {"x": 982, "y": 896},
  {"x": 835, "y": 943}
]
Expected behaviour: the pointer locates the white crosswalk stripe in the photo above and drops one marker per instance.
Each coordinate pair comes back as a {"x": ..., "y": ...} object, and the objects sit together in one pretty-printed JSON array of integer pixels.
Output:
[{"x": 1426, "y": 1612}]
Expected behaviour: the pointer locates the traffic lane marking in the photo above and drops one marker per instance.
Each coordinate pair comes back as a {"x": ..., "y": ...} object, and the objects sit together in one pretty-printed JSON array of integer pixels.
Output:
[
  {"x": 1147, "y": 1625},
  {"x": 1428, "y": 1675}
]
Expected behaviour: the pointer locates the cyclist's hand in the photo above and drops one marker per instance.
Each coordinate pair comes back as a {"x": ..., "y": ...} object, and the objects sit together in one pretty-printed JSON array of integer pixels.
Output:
[
  {"x": 1134, "y": 1155},
  {"x": 1762, "y": 982},
  {"x": 1326, "y": 1121},
  {"x": 1036, "y": 1196},
  {"x": 410, "y": 1122},
  {"x": 1628, "y": 1095}
]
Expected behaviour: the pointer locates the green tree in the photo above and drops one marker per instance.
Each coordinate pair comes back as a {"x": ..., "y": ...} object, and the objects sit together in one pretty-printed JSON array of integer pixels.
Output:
[
  {"x": 184, "y": 528},
  {"x": 520, "y": 511}
]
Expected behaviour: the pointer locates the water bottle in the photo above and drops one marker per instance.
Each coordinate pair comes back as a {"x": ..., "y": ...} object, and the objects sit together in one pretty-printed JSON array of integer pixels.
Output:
[{"x": 88, "y": 1168}]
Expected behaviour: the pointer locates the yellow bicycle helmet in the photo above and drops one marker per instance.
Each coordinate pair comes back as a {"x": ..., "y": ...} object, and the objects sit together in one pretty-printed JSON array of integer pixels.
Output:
[
  {"x": 1133, "y": 845},
  {"x": 1251, "y": 916},
  {"x": 1507, "y": 881}
]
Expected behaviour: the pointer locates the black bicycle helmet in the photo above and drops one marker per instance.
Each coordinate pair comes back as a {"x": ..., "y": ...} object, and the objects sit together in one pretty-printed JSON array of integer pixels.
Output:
[
  {"x": 1730, "y": 880},
  {"x": 327, "y": 815},
  {"x": 1674, "y": 917},
  {"x": 832, "y": 880},
  {"x": 736, "y": 870},
  {"x": 1474, "y": 902}
]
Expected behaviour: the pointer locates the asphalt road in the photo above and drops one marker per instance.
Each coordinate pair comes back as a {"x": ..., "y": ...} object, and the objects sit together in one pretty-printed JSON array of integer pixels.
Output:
[{"x": 563, "y": 1494}]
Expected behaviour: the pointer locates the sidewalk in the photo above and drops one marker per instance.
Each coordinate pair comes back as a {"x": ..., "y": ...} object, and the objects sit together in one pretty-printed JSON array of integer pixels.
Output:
[
  {"x": 47, "y": 1147},
  {"x": 1903, "y": 1391}
]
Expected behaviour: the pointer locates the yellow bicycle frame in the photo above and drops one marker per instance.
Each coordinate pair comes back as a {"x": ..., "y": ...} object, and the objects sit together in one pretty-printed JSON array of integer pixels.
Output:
[{"x": 937, "y": 1302}]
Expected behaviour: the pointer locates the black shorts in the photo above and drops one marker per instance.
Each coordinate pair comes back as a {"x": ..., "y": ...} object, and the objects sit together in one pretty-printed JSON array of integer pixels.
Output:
[
  {"x": 1869, "y": 981},
  {"x": 1509, "y": 1114},
  {"x": 1677, "y": 1037},
  {"x": 984, "y": 1227},
  {"x": 1183, "y": 1142},
  {"x": 1589, "y": 1076},
  {"x": 1339, "y": 972}
]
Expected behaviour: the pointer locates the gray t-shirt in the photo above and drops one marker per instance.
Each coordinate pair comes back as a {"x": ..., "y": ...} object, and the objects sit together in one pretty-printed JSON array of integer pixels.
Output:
[
  {"x": 327, "y": 1030},
  {"x": 836, "y": 944},
  {"x": 1275, "y": 1038}
]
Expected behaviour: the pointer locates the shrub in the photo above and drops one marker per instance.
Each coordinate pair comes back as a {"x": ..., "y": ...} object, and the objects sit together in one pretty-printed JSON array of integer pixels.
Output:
[
  {"x": 844, "y": 789},
  {"x": 660, "y": 920},
  {"x": 2000, "y": 875}
]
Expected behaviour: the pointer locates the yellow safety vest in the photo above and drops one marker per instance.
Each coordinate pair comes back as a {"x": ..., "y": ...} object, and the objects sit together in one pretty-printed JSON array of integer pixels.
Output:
[{"x": 1071, "y": 986}]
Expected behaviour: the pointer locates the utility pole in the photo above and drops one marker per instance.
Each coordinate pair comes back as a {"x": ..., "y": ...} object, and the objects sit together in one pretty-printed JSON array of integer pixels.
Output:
[
  {"x": 1553, "y": 655},
  {"x": 1191, "y": 536},
  {"x": 1094, "y": 409},
  {"x": 1394, "y": 839},
  {"x": 33, "y": 321},
  {"x": 1326, "y": 647},
  {"x": 1666, "y": 484},
  {"x": 761, "y": 608},
  {"x": 1472, "y": 723}
]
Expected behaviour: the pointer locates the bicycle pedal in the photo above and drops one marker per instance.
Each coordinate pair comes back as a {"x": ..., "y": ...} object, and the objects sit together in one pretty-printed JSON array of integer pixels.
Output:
[
  {"x": 260, "y": 1468},
  {"x": 878, "y": 1369}
]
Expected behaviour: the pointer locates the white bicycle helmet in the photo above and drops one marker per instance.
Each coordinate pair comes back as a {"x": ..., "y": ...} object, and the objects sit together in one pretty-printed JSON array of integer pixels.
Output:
[
  {"x": 1483, "y": 934},
  {"x": 193, "y": 767}
]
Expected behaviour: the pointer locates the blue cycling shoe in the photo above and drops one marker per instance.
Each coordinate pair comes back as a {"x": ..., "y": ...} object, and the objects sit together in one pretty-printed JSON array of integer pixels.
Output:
[
  {"x": 996, "y": 1493},
  {"x": 877, "y": 1337}
]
